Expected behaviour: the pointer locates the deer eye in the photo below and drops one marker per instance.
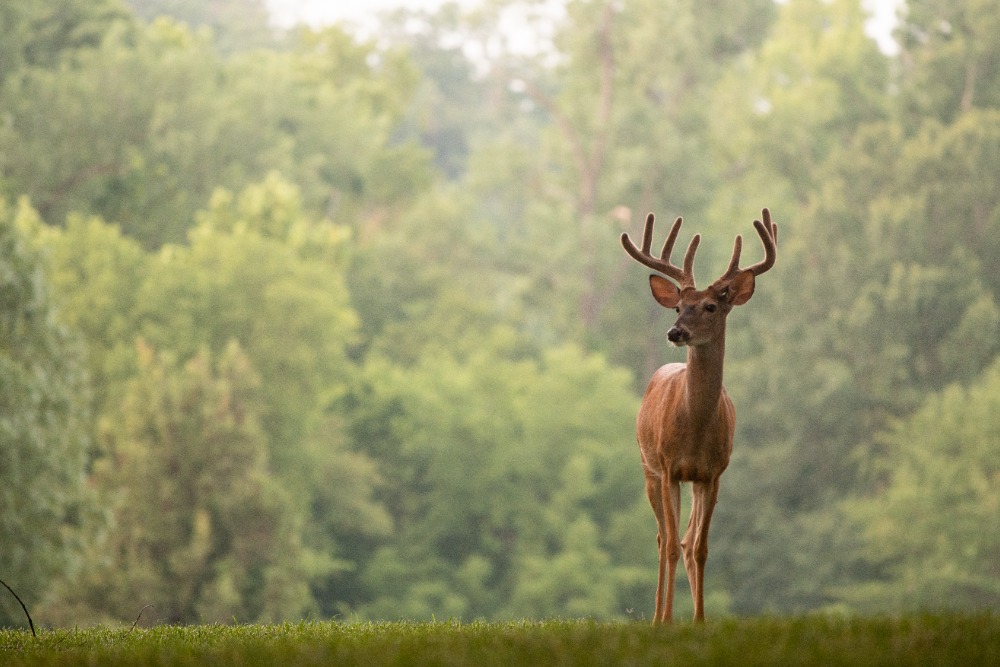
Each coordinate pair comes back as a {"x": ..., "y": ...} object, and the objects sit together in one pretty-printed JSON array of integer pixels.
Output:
[
  {"x": 677, "y": 309},
  {"x": 710, "y": 307}
]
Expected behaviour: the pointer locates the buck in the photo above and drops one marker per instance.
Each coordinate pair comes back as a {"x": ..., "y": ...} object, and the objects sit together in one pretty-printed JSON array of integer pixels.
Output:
[{"x": 686, "y": 420}]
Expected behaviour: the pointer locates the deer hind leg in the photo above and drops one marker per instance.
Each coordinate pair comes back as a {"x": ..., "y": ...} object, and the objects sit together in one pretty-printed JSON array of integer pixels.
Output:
[
  {"x": 695, "y": 543},
  {"x": 664, "y": 497}
]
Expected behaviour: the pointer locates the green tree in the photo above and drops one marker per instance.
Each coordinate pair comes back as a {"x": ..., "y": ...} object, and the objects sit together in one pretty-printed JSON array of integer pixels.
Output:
[
  {"x": 43, "y": 423},
  {"x": 96, "y": 275},
  {"x": 624, "y": 116},
  {"x": 262, "y": 272},
  {"x": 782, "y": 110},
  {"x": 494, "y": 467},
  {"x": 536, "y": 246},
  {"x": 199, "y": 527},
  {"x": 43, "y": 34},
  {"x": 236, "y": 25},
  {"x": 925, "y": 528},
  {"x": 153, "y": 120},
  {"x": 887, "y": 246},
  {"x": 136, "y": 132},
  {"x": 454, "y": 108},
  {"x": 944, "y": 200},
  {"x": 949, "y": 54}
]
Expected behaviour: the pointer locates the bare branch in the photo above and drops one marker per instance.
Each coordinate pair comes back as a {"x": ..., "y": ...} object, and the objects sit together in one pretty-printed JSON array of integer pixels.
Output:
[
  {"x": 136, "y": 621},
  {"x": 18, "y": 598}
]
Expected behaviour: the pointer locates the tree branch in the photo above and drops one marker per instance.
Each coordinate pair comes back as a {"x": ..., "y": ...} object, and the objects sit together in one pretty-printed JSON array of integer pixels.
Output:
[
  {"x": 136, "y": 621},
  {"x": 18, "y": 598}
]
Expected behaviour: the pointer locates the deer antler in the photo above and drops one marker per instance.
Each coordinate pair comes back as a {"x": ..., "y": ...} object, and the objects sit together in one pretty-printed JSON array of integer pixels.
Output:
[
  {"x": 662, "y": 263},
  {"x": 768, "y": 232}
]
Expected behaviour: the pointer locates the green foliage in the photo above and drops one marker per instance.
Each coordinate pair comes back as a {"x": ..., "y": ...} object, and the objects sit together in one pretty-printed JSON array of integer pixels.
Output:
[
  {"x": 952, "y": 50},
  {"x": 152, "y": 121},
  {"x": 259, "y": 274},
  {"x": 43, "y": 34},
  {"x": 940, "y": 472},
  {"x": 258, "y": 271},
  {"x": 199, "y": 527},
  {"x": 96, "y": 273},
  {"x": 236, "y": 25},
  {"x": 43, "y": 409},
  {"x": 421, "y": 386},
  {"x": 497, "y": 472},
  {"x": 116, "y": 149},
  {"x": 889, "y": 302},
  {"x": 446, "y": 109},
  {"x": 944, "y": 176}
]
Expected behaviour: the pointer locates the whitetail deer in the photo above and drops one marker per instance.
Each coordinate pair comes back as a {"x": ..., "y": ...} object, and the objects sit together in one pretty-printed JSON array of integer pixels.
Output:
[{"x": 686, "y": 421}]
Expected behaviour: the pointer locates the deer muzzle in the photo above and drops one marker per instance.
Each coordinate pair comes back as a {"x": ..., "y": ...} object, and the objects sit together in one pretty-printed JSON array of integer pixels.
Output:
[{"x": 678, "y": 336}]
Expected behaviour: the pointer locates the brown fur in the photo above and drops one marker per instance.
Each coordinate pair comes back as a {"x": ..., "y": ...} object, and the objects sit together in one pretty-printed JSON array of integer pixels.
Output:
[{"x": 686, "y": 422}]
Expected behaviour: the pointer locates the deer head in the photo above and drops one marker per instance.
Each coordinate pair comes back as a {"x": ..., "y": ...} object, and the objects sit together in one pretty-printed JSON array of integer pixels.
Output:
[{"x": 701, "y": 313}]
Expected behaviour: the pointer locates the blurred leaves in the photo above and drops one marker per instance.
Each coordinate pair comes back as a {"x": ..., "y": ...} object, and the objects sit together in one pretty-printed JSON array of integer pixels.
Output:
[
  {"x": 43, "y": 413},
  {"x": 494, "y": 457},
  {"x": 298, "y": 323},
  {"x": 199, "y": 526},
  {"x": 939, "y": 473}
]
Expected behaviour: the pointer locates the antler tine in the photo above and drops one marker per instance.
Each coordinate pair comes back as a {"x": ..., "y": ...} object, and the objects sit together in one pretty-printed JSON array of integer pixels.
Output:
[
  {"x": 768, "y": 232},
  {"x": 668, "y": 244},
  {"x": 662, "y": 263},
  {"x": 642, "y": 256},
  {"x": 734, "y": 263},
  {"x": 688, "y": 280}
]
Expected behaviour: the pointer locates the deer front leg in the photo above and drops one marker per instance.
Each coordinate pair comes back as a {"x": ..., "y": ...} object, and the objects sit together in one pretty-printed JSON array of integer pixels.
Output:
[
  {"x": 695, "y": 544},
  {"x": 656, "y": 502},
  {"x": 664, "y": 497}
]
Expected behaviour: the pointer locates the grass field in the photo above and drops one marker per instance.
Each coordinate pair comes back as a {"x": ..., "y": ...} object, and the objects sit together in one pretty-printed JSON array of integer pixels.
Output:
[{"x": 972, "y": 640}]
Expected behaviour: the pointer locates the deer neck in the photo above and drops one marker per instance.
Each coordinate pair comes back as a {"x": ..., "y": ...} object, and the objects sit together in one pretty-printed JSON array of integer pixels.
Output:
[{"x": 704, "y": 377}]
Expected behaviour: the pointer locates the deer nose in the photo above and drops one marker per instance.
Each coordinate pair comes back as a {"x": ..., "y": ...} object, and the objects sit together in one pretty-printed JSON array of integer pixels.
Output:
[{"x": 677, "y": 335}]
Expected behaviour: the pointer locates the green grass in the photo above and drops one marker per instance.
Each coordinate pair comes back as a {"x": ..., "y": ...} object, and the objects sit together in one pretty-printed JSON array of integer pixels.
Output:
[{"x": 811, "y": 640}]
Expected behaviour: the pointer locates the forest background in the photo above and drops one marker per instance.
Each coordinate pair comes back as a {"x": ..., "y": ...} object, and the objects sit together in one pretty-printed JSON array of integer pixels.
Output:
[{"x": 304, "y": 324}]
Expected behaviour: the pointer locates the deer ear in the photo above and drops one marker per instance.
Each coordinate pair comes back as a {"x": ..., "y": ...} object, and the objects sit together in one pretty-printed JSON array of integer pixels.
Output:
[
  {"x": 664, "y": 291},
  {"x": 741, "y": 288}
]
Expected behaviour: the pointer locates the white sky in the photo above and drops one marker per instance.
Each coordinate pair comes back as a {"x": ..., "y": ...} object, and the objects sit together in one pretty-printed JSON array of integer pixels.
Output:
[
  {"x": 318, "y": 12},
  {"x": 362, "y": 13}
]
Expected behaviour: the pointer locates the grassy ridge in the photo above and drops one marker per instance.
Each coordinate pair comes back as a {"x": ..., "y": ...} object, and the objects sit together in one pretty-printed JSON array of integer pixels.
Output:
[{"x": 910, "y": 640}]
